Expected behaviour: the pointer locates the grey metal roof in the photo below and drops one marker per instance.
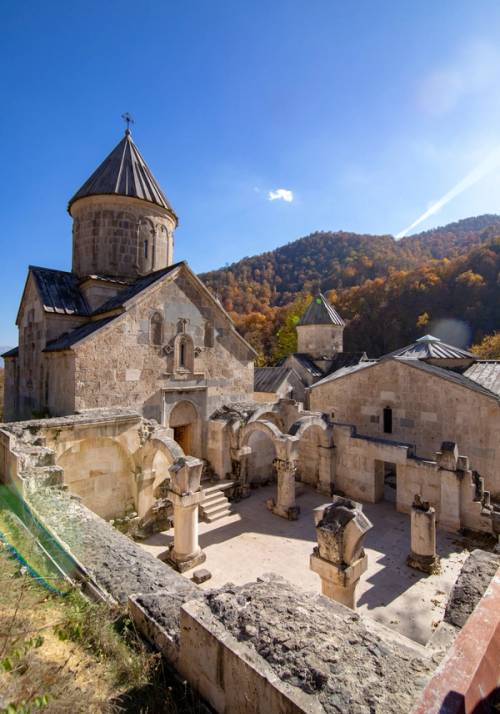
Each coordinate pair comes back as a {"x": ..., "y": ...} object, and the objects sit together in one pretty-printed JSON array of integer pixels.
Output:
[
  {"x": 132, "y": 290},
  {"x": 59, "y": 291},
  {"x": 64, "y": 342},
  {"x": 429, "y": 347},
  {"x": 320, "y": 312},
  {"x": 346, "y": 359},
  {"x": 449, "y": 375},
  {"x": 125, "y": 173},
  {"x": 486, "y": 373},
  {"x": 306, "y": 362},
  {"x": 11, "y": 353},
  {"x": 269, "y": 379},
  {"x": 343, "y": 372}
]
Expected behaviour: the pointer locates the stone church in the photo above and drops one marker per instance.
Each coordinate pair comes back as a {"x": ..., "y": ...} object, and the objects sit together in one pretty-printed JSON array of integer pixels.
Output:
[{"x": 127, "y": 327}]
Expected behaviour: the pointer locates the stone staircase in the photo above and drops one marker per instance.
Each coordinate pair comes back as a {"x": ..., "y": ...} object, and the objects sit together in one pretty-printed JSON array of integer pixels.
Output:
[{"x": 215, "y": 505}]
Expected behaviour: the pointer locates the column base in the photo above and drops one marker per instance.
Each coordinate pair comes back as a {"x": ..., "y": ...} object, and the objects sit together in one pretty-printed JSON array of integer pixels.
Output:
[
  {"x": 339, "y": 582},
  {"x": 291, "y": 513},
  {"x": 182, "y": 563},
  {"x": 425, "y": 563}
]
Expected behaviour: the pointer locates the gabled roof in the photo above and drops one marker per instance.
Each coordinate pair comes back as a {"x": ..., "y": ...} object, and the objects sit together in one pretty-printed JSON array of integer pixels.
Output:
[
  {"x": 429, "y": 347},
  {"x": 343, "y": 372},
  {"x": 320, "y": 312},
  {"x": 269, "y": 379},
  {"x": 11, "y": 353},
  {"x": 137, "y": 287},
  {"x": 305, "y": 361},
  {"x": 486, "y": 373},
  {"x": 68, "y": 339},
  {"x": 59, "y": 291},
  {"x": 117, "y": 304},
  {"x": 447, "y": 374},
  {"x": 346, "y": 359},
  {"x": 124, "y": 173}
]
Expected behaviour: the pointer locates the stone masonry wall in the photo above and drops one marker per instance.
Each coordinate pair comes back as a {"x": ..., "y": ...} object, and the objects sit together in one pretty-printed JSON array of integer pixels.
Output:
[
  {"x": 118, "y": 365},
  {"x": 427, "y": 410},
  {"x": 319, "y": 340},
  {"x": 120, "y": 236}
]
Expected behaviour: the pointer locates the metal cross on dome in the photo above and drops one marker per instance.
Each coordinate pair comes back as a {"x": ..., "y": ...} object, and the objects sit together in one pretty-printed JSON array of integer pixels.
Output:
[{"x": 128, "y": 119}]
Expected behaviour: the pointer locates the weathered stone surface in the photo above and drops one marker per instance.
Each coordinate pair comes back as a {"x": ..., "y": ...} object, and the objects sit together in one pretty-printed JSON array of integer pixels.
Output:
[
  {"x": 201, "y": 575},
  {"x": 321, "y": 647},
  {"x": 116, "y": 563},
  {"x": 471, "y": 584}
]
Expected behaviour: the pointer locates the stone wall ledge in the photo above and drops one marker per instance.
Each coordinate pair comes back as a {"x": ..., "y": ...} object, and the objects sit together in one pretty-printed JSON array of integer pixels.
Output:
[
  {"x": 91, "y": 417},
  {"x": 470, "y": 673}
]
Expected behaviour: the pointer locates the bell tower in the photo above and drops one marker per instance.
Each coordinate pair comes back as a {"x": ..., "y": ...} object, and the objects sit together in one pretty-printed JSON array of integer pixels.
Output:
[
  {"x": 123, "y": 224},
  {"x": 320, "y": 331}
]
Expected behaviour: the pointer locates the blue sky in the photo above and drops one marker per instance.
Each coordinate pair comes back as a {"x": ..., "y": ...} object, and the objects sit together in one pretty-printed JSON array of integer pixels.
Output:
[{"x": 367, "y": 112}]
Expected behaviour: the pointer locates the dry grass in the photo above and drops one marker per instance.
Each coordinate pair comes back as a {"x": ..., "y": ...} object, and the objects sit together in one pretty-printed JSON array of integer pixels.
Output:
[{"x": 66, "y": 654}]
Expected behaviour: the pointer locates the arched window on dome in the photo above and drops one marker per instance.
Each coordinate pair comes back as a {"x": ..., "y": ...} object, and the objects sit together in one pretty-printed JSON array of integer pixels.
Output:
[{"x": 156, "y": 329}]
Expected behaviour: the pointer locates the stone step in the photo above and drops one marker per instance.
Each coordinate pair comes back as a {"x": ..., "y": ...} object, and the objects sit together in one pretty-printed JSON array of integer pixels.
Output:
[
  {"x": 215, "y": 500},
  {"x": 218, "y": 486},
  {"x": 210, "y": 518},
  {"x": 215, "y": 505},
  {"x": 212, "y": 508}
]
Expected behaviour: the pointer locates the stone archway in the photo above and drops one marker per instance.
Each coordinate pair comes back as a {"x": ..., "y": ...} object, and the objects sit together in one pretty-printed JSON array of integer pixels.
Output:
[
  {"x": 101, "y": 472},
  {"x": 315, "y": 448},
  {"x": 185, "y": 422},
  {"x": 260, "y": 436},
  {"x": 153, "y": 462}
]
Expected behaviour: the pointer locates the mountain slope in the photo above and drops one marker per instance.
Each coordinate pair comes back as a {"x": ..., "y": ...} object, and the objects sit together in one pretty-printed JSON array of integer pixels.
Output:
[
  {"x": 334, "y": 260},
  {"x": 389, "y": 291}
]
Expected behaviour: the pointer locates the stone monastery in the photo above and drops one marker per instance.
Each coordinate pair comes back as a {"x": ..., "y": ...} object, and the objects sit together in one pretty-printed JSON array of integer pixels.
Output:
[{"x": 132, "y": 400}]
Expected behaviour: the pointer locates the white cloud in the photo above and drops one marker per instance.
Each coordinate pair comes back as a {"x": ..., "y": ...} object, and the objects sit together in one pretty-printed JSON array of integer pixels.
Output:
[{"x": 281, "y": 194}]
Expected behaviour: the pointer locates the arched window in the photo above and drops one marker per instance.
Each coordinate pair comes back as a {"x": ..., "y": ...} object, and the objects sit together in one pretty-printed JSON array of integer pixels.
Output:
[
  {"x": 387, "y": 420},
  {"x": 156, "y": 329},
  {"x": 184, "y": 353}
]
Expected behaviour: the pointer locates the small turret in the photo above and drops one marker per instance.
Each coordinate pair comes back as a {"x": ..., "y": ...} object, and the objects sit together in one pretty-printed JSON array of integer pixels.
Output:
[{"x": 320, "y": 330}]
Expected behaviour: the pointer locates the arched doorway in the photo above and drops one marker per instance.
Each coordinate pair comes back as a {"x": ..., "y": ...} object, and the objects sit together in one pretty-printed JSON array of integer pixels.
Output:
[
  {"x": 186, "y": 425},
  {"x": 260, "y": 469}
]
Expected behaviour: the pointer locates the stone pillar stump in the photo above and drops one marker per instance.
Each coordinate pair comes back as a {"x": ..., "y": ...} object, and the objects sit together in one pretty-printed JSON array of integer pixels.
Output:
[
  {"x": 284, "y": 505},
  {"x": 339, "y": 558},
  {"x": 423, "y": 555}
]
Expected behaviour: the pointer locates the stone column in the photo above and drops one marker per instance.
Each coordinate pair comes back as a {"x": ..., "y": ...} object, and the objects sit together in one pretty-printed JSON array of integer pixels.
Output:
[
  {"x": 423, "y": 537},
  {"x": 339, "y": 558},
  {"x": 239, "y": 462},
  {"x": 284, "y": 505},
  {"x": 448, "y": 463},
  {"x": 185, "y": 494},
  {"x": 286, "y": 463}
]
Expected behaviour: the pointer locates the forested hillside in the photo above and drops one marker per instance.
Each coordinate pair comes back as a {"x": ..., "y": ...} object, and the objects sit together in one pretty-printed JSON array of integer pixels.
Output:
[{"x": 389, "y": 291}]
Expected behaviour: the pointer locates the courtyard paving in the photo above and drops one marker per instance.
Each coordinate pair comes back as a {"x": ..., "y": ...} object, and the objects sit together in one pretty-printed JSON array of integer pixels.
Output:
[{"x": 253, "y": 541}]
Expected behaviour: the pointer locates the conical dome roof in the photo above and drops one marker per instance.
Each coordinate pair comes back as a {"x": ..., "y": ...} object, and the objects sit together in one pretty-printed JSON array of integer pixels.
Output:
[
  {"x": 320, "y": 312},
  {"x": 124, "y": 173}
]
